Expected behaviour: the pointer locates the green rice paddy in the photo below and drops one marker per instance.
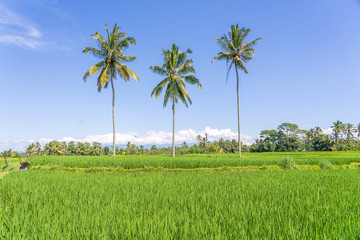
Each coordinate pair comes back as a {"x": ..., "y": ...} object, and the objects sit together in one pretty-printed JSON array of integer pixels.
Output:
[{"x": 284, "y": 204}]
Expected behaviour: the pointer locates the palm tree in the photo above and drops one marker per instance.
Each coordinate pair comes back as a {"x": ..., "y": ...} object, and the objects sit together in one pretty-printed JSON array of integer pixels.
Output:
[
  {"x": 112, "y": 63},
  {"x": 349, "y": 132},
  {"x": 8, "y": 154},
  {"x": 237, "y": 52},
  {"x": 337, "y": 128},
  {"x": 176, "y": 68}
]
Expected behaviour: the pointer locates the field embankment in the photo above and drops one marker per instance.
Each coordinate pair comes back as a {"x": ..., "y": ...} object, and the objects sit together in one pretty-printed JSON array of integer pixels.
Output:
[{"x": 187, "y": 162}]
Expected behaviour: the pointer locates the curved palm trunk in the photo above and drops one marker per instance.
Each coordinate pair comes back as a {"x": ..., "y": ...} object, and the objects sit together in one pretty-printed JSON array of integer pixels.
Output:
[
  {"x": 238, "y": 108},
  {"x": 6, "y": 162},
  {"x": 113, "y": 116},
  {"x": 173, "y": 136}
]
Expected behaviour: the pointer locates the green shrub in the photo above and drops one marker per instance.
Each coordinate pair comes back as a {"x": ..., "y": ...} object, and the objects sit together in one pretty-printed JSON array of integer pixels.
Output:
[
  {"x": 288, "y": 163},
  {"x": 325, "y": 164}
]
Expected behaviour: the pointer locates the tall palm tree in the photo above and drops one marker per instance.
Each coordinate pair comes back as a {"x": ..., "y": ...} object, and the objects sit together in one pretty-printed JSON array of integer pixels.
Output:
[
  {"x": 110, "y": 52},
  {"x": 176, "y": 68},
  {"x": 237, "y": 52}
]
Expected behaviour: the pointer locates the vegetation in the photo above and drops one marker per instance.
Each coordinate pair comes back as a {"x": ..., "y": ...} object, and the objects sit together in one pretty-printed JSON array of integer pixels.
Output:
[
  {"x": 176, "y": 68},
  {"x": 276, "y": 204},
  {"x": 286, "y": 138},
  {"x": 196, "y": 160},
  {"x": 237, "y": 52},
  {"x": 112, "y": 62}
]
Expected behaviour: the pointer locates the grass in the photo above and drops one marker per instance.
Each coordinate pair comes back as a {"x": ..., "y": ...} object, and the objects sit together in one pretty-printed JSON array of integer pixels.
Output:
[
  {"x": 189, "y": 205},
  {"x": 197, "y": 161}
]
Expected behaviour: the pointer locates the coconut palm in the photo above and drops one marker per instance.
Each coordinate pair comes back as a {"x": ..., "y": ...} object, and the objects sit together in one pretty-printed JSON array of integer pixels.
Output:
[
  {"x": 8, "y": 154},
  {"x": 349, "y": 132},
  {"x": 110, "y": 52},
  {"x": 237, "y": 52},
  {"x": 176, "y": 68},
  {"x": 337, "y": 129}
]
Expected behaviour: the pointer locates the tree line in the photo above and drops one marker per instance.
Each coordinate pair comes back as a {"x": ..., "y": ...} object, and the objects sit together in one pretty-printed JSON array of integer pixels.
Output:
[{"x": 287, "y": 137}]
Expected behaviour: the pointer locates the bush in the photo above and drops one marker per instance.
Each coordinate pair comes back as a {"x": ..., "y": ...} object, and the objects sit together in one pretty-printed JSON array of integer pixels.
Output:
[
  {"x": 288, "y": 163},
  {"x": 325, "y": 164}
]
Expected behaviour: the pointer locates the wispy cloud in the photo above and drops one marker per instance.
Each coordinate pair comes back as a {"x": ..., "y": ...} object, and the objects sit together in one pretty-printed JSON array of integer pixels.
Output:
[
  {"x": 16, "y": 30},
  {"x": 151, "y": 137}
]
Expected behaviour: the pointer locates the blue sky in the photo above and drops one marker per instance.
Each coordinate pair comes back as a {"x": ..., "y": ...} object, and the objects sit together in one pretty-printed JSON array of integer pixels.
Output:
[{"x": 306, "y": 70}]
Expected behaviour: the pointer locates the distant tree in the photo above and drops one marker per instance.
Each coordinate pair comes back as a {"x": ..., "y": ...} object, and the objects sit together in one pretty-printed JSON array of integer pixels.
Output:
[
  {"x": 290, "y": 139},
  {"x": 112, "y": 63},
  {"x": 337, "y": 129},
  {"x": 141, "y": 149},
  {"x": 270, "y": 137},
  {"x": 30, "y": 150},
  {"x": 237, "y": 52},
  {"x": 184, "y": 145},
  {"x": 176, "y": 69},
  {"x": 349, "y": 132},
  {"x": 106, "y": 150},
  {"x": 5, "y": 155}
]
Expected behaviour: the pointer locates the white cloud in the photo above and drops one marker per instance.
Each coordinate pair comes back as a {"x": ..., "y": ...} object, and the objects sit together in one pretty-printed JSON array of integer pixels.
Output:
[
  {"x": 151, "y": 137},
  {"x": 16, "y": 30},
  {"x": 327, "y": 131}
]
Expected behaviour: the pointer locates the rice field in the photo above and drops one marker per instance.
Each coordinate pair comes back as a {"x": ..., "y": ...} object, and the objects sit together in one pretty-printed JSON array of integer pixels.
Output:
[
  {"x": 196, "y": 161},
  {"x": 321, "y": 204}
]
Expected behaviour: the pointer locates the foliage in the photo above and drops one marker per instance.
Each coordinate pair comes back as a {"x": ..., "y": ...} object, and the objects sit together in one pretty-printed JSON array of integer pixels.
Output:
[
  {"x": 288, "y": 163},
  {"x": 196, "y": 160},
  {"x": 326, "y": 164}
]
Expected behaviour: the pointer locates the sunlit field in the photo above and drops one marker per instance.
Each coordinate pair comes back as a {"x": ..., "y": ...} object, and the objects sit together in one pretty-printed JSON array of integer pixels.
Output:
[
  {"x": 222, "y": 205},
  {"x": 55, "y": 200},
  {"x": 196, "y": 161}
]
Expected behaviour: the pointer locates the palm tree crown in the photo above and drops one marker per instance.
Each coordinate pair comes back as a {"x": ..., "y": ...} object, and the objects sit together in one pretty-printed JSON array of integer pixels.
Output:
[
  {"x": 176, "y": 67},
  {"x": 235, "y": 49},
  {"x": 111, "y": 53}
]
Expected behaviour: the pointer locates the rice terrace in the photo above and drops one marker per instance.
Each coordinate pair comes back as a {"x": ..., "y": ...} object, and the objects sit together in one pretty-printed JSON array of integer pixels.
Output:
[{"x": 104, "y": 105}]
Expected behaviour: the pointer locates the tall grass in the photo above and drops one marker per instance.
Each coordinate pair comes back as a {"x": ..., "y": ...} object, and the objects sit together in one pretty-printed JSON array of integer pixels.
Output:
[
  {"x": 197, "y": 161},
  {"x": 222, "y": 205}
]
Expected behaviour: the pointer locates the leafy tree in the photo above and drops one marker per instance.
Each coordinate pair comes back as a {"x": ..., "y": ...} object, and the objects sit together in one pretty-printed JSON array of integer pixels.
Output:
[
  {"x": 106, "y": 150},
  {"x": 237, "y": 52},
  {"x": 176, "y": 69},
  {"x": 112, "y": 63},
  {"x": 270, "y": 137},
  {"x": 184, "y": 145}
]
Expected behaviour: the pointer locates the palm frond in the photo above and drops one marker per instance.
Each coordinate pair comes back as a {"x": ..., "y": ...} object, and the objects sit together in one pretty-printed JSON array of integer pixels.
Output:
[
  {"x": 93, "y": 70},
  {"x": 158, "y": 70}
]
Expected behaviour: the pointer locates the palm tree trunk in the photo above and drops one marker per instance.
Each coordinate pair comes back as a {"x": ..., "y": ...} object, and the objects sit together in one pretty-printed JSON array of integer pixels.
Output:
[
  {"x": 113, "y": 115},
  {"x": 173, "y": 136},
  {"x": 238, "y": 108},
  {"x": 6, "y": 162}
]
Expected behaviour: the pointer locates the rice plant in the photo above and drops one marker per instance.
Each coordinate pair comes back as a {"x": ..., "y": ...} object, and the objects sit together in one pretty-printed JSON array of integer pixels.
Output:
[{"x": 196, "y": 205}]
